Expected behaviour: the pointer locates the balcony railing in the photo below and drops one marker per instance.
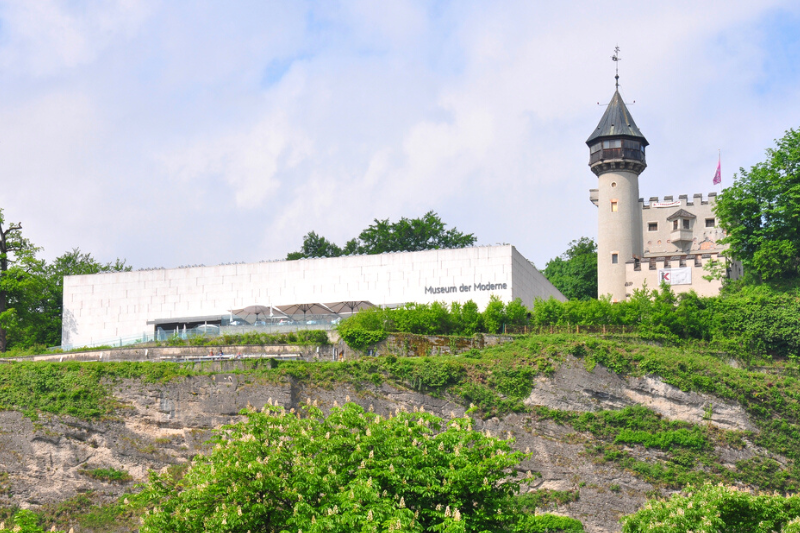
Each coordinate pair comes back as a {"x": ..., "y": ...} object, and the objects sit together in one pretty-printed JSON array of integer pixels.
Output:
[{"x": 616, "y": 153}]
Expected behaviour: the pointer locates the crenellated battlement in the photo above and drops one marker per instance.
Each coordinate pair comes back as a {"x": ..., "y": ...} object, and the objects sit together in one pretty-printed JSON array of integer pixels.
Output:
[{"x": 683, "y": 200}]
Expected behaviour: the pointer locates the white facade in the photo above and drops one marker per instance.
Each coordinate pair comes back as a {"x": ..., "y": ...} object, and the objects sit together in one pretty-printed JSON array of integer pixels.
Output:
[{"x": 107, "y": 306}]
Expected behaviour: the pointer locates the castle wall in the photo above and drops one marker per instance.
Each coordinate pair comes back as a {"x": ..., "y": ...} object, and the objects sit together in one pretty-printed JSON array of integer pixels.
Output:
[
  {"x": 705, "y": 231},
  {"x": 681, "y": 268}
]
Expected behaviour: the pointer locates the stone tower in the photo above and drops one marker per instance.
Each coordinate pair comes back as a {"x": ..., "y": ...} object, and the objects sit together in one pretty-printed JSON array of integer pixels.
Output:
[{"x": 617, "y": 157}]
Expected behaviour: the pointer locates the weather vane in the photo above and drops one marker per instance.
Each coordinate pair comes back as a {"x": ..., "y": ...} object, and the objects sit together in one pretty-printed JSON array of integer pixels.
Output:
[{"x": 616, "y": 59}]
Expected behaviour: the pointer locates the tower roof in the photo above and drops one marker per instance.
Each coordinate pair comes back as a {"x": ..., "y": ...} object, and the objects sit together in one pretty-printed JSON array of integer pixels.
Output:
[{"x": 616, "y": 122}]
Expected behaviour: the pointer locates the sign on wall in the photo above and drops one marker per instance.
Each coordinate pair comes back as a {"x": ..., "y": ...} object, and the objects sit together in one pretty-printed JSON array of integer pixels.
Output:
[
  {"x": 675, "y": 276},
  {"x": 676, "y": 203},
  {"x": 467, "y": 288}
]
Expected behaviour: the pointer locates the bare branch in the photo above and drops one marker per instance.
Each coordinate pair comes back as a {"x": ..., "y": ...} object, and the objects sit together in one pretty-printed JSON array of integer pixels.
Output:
[{"x": 12, "y": 227}]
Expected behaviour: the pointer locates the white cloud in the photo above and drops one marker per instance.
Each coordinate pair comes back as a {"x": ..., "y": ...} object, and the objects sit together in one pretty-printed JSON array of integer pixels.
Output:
[
  {"x": 284, "y": 118},
  {"x": 45, "y": 36}
]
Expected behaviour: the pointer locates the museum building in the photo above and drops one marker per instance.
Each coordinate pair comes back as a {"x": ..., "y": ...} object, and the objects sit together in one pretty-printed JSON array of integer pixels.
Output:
[{"x": 100, "y": 308}]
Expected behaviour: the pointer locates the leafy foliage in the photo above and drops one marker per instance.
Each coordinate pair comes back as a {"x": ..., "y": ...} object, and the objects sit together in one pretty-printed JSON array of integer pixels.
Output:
[
  {"x": 405, "y": 235},
  {"x": 349, "y": 471},
  {"x": 761, "y": 212},
  {"x": 308, "y": 337},
  {"x": 370, "y": 326},
  {"x": 24, "y": 522},
  {"x": 32, "y": 291},
  {"x": 89, "y": 511},
  {"x": 574, "y": 272},
  {"x": 713, "y": 508},
  {"x": 751, "y": 321}
]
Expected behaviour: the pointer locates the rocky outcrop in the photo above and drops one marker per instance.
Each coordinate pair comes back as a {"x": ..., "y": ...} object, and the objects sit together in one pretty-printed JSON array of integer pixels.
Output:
[
  {"x": 158, "y": 425},
  {"x": 574, "y": 388}
]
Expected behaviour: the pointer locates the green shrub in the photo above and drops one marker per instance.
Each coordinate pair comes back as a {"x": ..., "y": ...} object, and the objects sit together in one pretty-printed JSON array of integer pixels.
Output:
[{"x": 109, "y": 475}]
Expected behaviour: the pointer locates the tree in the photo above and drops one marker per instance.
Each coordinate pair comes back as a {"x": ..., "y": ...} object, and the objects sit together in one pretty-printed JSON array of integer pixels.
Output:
[
  {"x": 350, "y": 471},
  {"x": 411, "y": 235},
  {"x": 32, "y": 291},
  {"x": 760, "y": 212},
  {"x": 574, "y": 272},
  {"x": 406, "y": 235},
  {"x": 316, "y": 246},
  {"x": 17, "y": 262},
  {"x": 713, "y": 508}
]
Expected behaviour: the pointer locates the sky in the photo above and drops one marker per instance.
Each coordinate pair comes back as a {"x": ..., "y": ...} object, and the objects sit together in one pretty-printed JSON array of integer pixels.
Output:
[{"x": 168, "y": 132}]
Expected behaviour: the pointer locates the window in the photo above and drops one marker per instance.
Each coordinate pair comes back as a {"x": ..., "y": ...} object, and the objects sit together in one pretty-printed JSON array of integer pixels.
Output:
[
  {"x": 595, "y": 148},
  {"x": 633, "y": 145},
  {"x": 685, "y": 223},
  {"x": 652, "y": 226},
  {"x": 710, "y": 222},
  {"x": 612, "y": 144},
  {"x": 674, "y": 225},
  {"x": 614, "y": 206},
  {"x": 613, "y": 184},
  {"x": 614, "y": 259}
]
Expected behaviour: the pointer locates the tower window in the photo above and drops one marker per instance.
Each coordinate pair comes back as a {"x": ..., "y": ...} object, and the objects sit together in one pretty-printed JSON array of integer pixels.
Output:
[
  {"x": 710, "y": 222},
  {"x": 685, "y": 223},
  {"x": 652, "y": 226},
  {"x": 595, "y": 148},
  {"x": 614, "y": 206},
  {"x": 614, "y": 259},
  {"x": 612, "y": 144},
  {"x": 674, "y": 225}
]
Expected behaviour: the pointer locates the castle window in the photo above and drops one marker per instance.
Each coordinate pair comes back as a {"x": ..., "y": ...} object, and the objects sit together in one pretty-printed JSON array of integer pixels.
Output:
[
  {"x": 685, "y": 223},
  {"x": 614, "y": 259},
  {"x": 595, "y": 148},
  {"x": 710, "y": 222},
  {"x": 652, "y": 226},
  {"x": 614, "y": 206},
  {"x": 613, "y": 184},
  {"x": 675, "y": 225},
  {"x": 612, "y": 144}
]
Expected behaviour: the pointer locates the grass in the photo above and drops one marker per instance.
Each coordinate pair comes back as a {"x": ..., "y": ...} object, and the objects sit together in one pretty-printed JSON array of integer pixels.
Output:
[
  {"x": 75, "y": 389},
  {"x": 109, "y": 475}
]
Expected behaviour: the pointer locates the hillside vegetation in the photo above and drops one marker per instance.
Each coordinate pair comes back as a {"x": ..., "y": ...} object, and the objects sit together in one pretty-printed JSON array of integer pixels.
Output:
[{"x": 747, "y": 322}]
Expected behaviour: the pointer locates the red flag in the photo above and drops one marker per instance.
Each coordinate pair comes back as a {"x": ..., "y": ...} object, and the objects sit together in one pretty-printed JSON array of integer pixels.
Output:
[{"x": 718, "y": 175}]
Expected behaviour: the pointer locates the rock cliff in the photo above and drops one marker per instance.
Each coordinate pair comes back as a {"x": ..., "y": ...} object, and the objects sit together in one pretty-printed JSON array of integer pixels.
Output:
[{"x": 161, "y": 424}]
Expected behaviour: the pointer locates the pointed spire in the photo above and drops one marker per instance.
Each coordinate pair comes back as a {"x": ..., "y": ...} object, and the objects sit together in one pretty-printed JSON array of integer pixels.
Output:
[{"x": 617, "y": 122}]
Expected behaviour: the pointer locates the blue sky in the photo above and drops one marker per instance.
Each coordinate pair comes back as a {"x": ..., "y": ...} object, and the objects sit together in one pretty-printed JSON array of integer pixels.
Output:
[{"x": 171, "y": 132}]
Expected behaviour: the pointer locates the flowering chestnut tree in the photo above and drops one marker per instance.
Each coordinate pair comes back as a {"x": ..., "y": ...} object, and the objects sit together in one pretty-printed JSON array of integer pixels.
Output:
[
  {"x": 351, "y": 471},
  {"x": 717, "y": 509}
]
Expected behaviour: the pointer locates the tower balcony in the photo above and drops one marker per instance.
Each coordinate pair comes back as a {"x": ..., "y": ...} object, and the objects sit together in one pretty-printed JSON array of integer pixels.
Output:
[
  {"x": 617, "y": 154},
  {"x": 608, "y": 154}
]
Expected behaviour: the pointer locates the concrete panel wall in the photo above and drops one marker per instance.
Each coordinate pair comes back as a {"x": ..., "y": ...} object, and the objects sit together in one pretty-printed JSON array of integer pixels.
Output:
[{"x": 103, "y": 306}]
